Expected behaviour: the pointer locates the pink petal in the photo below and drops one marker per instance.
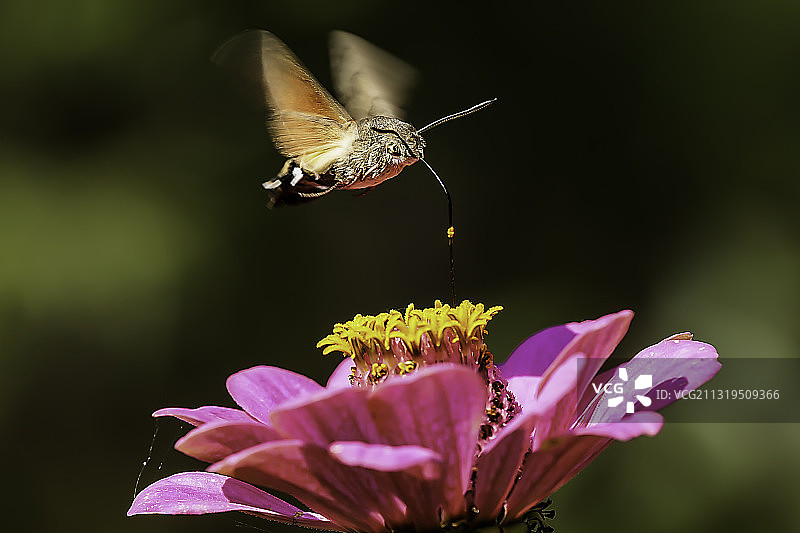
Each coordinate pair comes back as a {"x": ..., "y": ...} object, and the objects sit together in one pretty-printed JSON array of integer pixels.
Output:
[
  {"x": 675, "y": 365},
  {"x": 204, "y": 492},
  {"x": 590, "y": 337},
  {"x": 333, "y": 415},
  {"x": 417, "y": 482},
  {"x": 499, "y": 462},
  {"x": 548, "y": 469},
  {"x": 204, "y": 415},
  {"x": 441, "y": 408},
  {"x": 557, "y": 399},
  {"x": 553, "y": 401},
  {"x": 216, "y": 440},
  {"x": 595, "y": 341},
  {"x": 560, "y": 458},
  {"x": 259, "y": 390},
  {"x": 415, "y": 460},
  {"x": 340, "y": 378},
  {"x": 583, "y": 356},
  {"x": 635, "y": 425},
  {"x": 525, "y": 389},
  {"x": 355, "y": 495},
  {"x": 534, "y": 354},
  {"x": 285, "y": 466}
]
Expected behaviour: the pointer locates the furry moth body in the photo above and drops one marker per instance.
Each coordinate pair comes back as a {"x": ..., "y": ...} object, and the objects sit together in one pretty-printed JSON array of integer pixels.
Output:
[{"x": 330, "y": 146}]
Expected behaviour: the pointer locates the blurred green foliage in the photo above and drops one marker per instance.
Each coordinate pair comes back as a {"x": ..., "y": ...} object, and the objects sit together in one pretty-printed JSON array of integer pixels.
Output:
[{"x": 642, "y": 155}]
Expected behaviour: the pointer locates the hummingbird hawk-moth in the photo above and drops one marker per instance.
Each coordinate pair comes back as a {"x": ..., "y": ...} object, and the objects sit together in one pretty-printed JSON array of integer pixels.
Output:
[{"x": 329, "y": 146}]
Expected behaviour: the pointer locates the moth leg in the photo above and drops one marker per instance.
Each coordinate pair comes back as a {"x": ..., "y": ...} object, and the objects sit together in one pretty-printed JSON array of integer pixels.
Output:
[{"x": 316, "y": 194}]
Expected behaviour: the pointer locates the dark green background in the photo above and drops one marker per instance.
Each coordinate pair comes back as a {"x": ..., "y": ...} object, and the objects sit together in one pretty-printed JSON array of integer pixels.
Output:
[{"x": 642, "y": 155}]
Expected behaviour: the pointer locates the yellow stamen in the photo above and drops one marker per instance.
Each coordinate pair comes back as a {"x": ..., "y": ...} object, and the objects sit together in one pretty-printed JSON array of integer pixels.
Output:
[
  {"x": 364, "y": 333},
  {"x": 398, "y": 343}
]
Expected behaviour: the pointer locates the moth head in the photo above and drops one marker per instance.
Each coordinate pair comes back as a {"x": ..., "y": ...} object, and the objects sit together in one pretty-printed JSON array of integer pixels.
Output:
[{"x": 400, "y": 140}]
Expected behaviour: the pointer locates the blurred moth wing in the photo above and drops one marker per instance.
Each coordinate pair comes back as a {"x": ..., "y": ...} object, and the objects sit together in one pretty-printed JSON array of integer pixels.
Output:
[
  {"x": 368, "y": 80},
  {"x": 306, "y": 123}
]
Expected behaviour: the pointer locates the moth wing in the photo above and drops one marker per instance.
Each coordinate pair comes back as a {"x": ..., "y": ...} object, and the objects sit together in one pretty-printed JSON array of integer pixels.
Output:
[
  {"x": 369, "y": 81},
  {"x": 306, "y": 123}
]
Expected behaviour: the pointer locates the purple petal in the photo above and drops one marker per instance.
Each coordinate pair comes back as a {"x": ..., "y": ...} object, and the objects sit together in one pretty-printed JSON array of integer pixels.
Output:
[
  {"x": 635, "y": 425},
  {"x": 534, "y": 355},
  {"x": 204, "y": 492},
  {"x": 546, "y": 470},
  {"x": 340, "y": 378},
  {"x": 559, "y": 459},
  {"x": 334, "y": 415},
  {"x": 499, "y": 462},
  {"x": 675, "y": 366},
  {"x": 594, "y": 338},
  {"x": 285, "y": 466},
  {"x": 557, "y": 399},
  {"x": 259, "y": 390},
  {"x": 595, "y": 341},
  {"x": 525, "y": 389},
  {"x": 216, "y": 440},
  {"x": 416, "y": 480},
  {"x": 416, "y": 460},
  {"x": 553, "y": 401},
  {"x": 354, "y": 496},
  {"x": 205, "y": 414},
  {"x": 441, "y": 408}
]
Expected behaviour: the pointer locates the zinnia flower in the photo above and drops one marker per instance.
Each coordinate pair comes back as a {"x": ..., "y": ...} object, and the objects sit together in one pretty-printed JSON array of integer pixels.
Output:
[{"x": 418, "y": 429}]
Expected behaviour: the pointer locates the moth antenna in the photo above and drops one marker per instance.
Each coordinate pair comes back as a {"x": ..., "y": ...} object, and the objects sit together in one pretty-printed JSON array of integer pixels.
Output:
[
  {"x": 451, "y": 231},
  {"x": 460, "y": 114}
]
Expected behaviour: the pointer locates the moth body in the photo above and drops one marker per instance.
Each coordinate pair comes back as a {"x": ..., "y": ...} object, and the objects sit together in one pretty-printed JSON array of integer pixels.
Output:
[{"x": 381, "y": 148}]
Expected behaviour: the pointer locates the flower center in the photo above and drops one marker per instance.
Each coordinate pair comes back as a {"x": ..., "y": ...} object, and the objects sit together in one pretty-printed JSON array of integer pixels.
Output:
[{"x": 395, "y": 344}]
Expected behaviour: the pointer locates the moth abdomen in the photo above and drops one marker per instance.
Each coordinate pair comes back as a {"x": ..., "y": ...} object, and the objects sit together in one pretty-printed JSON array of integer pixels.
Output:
[{"x": 293, "y": 185}]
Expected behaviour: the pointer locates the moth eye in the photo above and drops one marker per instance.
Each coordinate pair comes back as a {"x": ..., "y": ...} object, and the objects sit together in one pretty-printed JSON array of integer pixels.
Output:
[{"x": 394, "y": 150}]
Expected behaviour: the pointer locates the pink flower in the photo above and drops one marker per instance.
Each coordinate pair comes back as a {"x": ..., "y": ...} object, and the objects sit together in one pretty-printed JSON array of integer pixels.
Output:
[{"x": 419, "y": 430}]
